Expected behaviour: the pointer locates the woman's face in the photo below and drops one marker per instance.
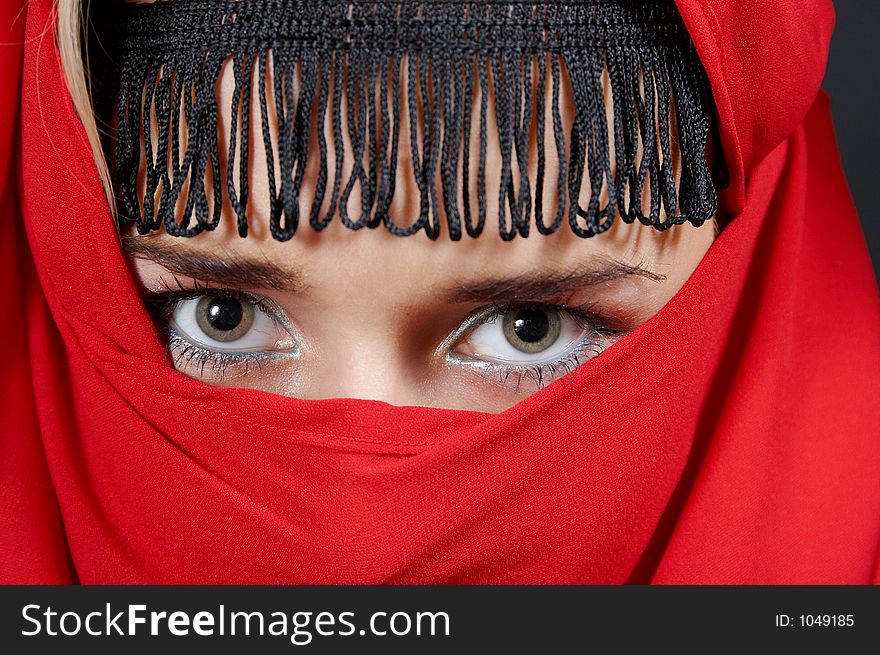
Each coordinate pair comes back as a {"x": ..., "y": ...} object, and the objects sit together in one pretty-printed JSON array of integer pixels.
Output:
[{"x": 476, "y": 324}]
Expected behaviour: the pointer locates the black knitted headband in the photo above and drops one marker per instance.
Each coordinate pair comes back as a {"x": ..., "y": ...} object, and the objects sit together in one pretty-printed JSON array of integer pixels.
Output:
[{"x": 353, "y": 52}]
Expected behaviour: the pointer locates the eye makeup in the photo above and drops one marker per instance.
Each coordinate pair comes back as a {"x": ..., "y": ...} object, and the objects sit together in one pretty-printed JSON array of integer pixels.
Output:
[
  {"x": 584, "y": 334},
  {"x": 207, "y": 336},
  {"x": 213, "y": 356}
]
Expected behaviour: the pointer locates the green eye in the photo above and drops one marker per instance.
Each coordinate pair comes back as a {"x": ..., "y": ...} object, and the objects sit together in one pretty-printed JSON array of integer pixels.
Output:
[
  {"x": 223, "y": 318},
  {"x": 525, "y": 335},
  {"x": 225, "y": 322},
  {"x": 532, "y": 329}
]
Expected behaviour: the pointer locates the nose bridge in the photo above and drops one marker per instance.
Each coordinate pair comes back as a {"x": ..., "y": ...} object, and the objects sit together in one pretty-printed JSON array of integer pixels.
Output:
[
  {"x": 366, "y": 354},
  {"x": 373, "y": 369}
]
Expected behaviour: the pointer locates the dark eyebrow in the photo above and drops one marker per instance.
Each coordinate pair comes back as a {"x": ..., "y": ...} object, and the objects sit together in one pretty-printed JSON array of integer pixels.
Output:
[
  {"x": 540, "y": 285},
  {"x": 234, "y": 271},
  {"x": 223, "y": 268}
]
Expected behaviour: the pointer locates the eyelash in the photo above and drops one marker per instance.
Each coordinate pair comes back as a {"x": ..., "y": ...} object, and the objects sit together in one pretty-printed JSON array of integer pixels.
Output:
[
  {"x": 161, "y": 306},
  {"x": 587, "y": 316}
]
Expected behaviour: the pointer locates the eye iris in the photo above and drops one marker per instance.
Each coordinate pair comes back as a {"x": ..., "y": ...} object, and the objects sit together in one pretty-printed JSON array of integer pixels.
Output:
[
  {"x": 224, "y": 319},
  {"x": 531, "y": 330}
]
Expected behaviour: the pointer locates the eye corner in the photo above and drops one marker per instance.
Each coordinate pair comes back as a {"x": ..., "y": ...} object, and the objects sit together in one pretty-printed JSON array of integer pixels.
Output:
[{"x": 239, "y": 338}]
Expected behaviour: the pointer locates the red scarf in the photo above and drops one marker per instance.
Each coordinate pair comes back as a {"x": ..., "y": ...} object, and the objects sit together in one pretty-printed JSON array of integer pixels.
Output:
[{"x": 733, "y": 438}]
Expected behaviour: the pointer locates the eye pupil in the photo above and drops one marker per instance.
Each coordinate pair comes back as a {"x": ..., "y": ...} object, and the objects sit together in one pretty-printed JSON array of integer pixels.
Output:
[
  {"x": 532, "y": 329},
  {"x": 224, "y": 313},
  {"x": 531, "y": 325}
]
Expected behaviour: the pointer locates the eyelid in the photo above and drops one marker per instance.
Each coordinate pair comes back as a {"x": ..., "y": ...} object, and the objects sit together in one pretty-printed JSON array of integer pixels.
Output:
[
  {"x": 595, "y": 337},
  {"x": 161, "y": 304},
  {"x": 588, "y": 314}
]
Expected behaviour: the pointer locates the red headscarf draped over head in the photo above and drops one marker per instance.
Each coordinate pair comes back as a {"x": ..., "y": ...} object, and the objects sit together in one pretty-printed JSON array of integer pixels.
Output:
[{"x": 733, "y": 438}]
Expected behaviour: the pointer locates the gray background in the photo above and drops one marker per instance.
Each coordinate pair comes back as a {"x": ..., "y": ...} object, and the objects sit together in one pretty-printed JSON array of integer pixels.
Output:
[{"x": 853, "y": 82}]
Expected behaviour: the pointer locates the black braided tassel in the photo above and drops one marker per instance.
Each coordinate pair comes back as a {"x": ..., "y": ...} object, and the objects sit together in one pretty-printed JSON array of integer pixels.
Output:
[{"x": 354, "y": 53}]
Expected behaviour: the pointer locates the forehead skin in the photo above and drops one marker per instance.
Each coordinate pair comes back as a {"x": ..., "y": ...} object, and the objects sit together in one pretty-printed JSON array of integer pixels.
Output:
[{"x": 371, "y": 282}]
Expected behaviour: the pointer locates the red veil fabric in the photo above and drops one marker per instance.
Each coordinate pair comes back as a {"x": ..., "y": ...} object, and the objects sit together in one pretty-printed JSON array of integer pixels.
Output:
[{"x": 733, "y": 438}]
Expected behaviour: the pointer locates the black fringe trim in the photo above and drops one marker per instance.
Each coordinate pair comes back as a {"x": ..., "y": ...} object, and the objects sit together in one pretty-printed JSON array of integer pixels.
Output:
[{"x": 171, "y": 53}]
